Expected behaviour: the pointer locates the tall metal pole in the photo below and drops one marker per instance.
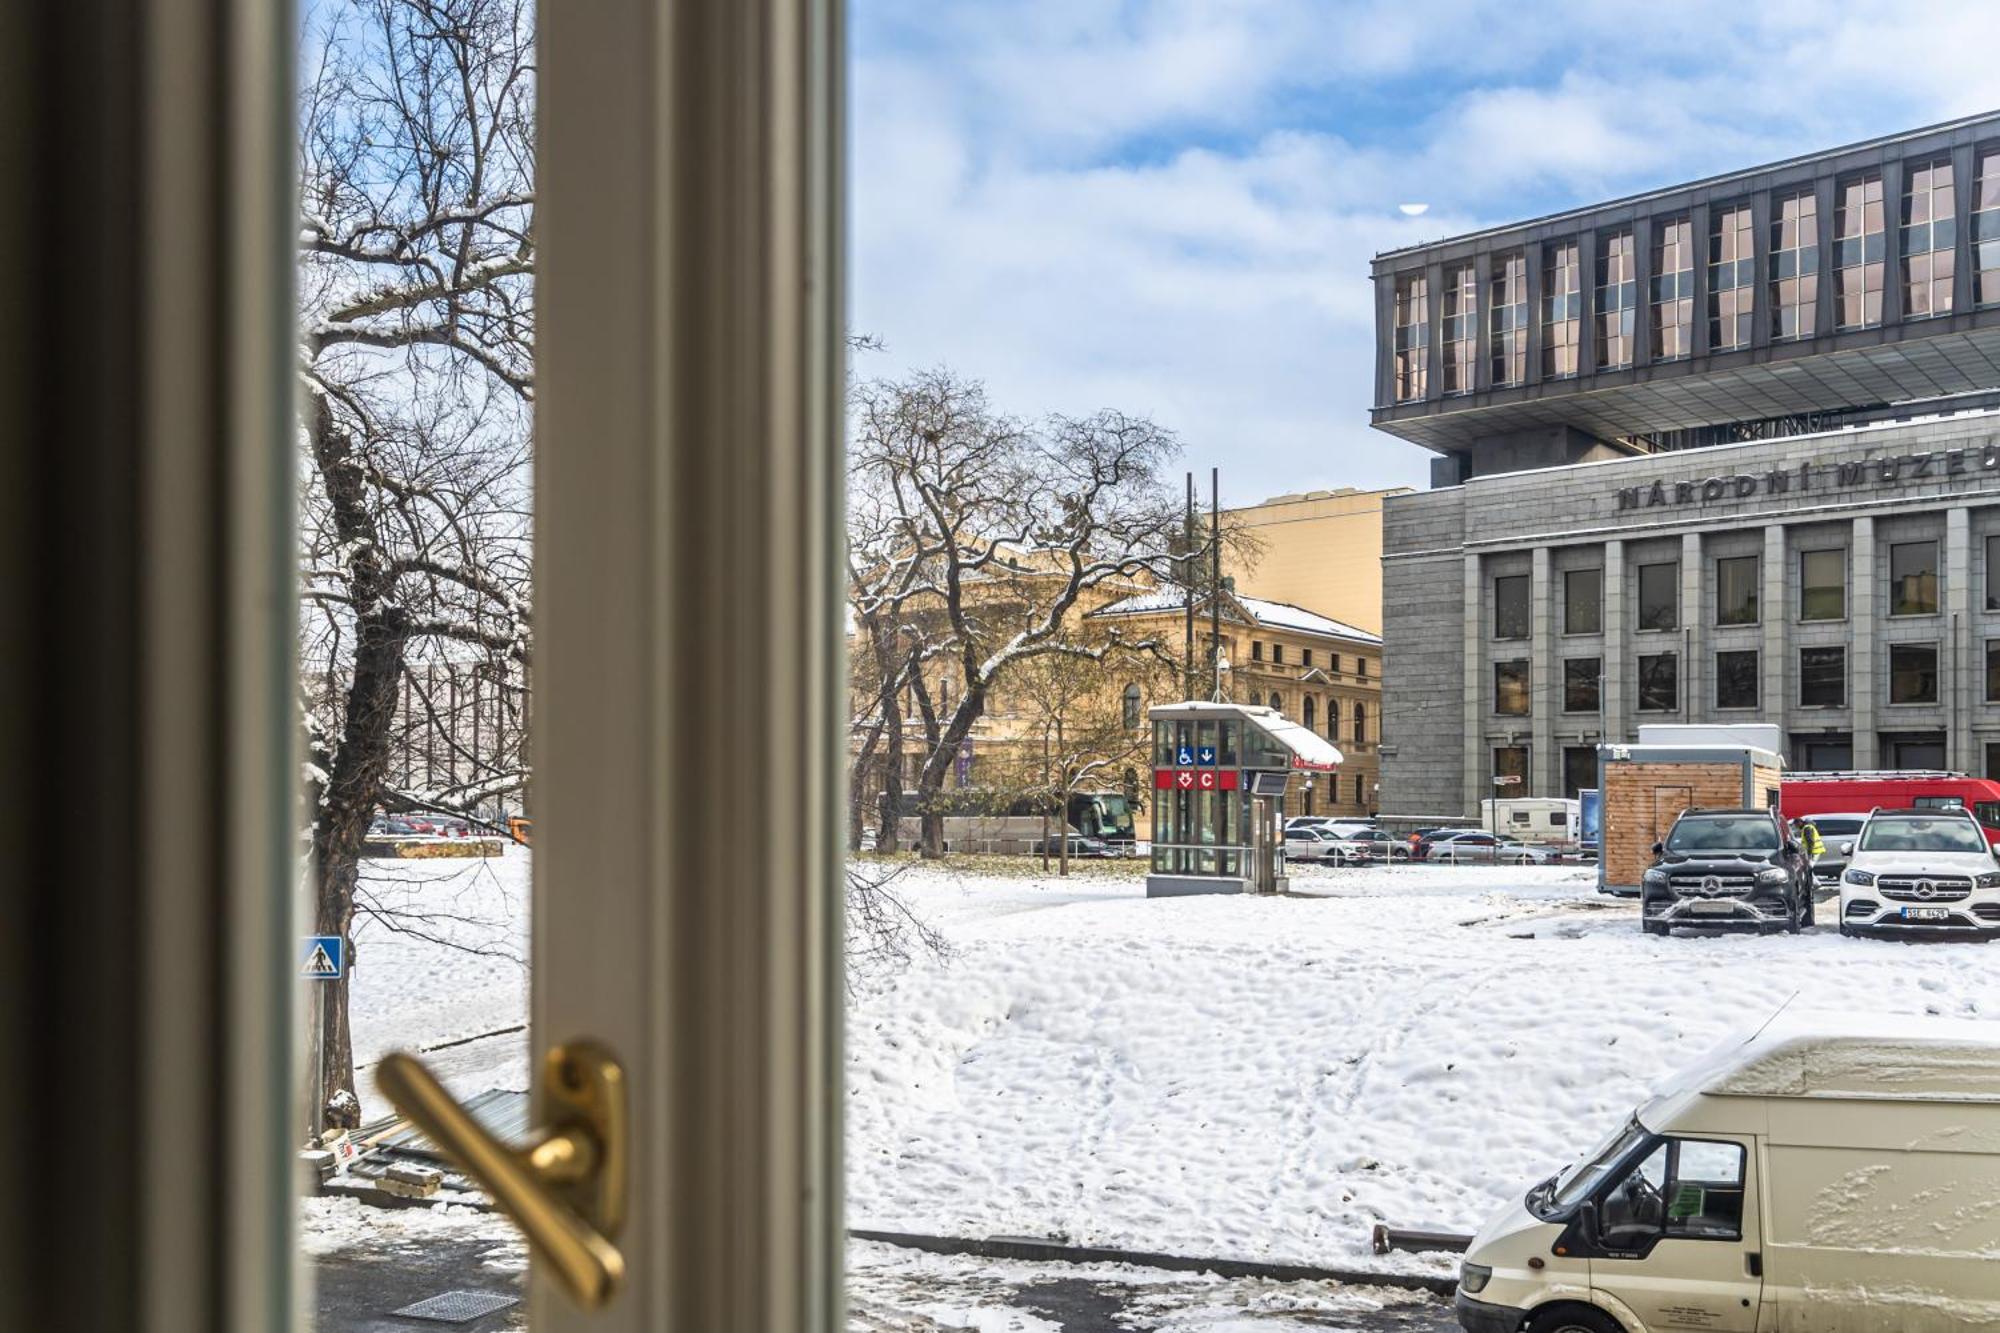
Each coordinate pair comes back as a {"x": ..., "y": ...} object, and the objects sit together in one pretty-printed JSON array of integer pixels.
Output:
[
  {"x": 1187, "y": 573},
  {"x": 1215, "y": 584}
]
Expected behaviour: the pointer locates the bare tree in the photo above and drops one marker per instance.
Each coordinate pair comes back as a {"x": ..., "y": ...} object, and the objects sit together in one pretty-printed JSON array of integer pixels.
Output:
[
  {"x": 417, "y": 349},
  {"x": 996, "y": 532}
]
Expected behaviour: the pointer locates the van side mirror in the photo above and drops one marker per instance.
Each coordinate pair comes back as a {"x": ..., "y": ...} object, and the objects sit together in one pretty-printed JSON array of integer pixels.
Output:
[
  {"x": 1792, "y": 847},
  {"x": 1659, "y": 849},
  {"x": 1847, "y": 849}
]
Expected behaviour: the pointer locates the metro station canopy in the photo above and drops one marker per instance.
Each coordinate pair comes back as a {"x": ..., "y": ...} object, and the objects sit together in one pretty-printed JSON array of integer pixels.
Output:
[{"x": 1269, "y": 739}]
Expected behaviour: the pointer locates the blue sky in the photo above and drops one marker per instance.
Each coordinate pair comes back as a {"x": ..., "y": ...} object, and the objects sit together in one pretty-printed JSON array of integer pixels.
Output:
[{"x": 1169, "y": 208}]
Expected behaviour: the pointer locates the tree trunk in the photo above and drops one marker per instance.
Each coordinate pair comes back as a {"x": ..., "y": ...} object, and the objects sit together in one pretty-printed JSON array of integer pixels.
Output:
[
  {"x": 353, "y": 790},
  {"x": 890, "y": 839}
]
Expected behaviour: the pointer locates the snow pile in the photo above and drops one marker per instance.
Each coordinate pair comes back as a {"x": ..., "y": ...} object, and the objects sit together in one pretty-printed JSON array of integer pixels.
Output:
[{"x": 1268, "y": 1078}]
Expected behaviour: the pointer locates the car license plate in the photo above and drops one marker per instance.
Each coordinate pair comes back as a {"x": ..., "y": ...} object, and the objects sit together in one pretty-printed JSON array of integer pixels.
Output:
[
  {"x": 1714, "y": 909},
  {"x": 1926, "y": 914}
]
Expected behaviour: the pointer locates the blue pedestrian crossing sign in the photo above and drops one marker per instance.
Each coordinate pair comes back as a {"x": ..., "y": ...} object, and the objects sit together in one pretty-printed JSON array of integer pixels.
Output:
[
  {"x": 1206, "y": 756},
  {"x": 324, "y": 958},
  {"x": 1184, "y": 756}
]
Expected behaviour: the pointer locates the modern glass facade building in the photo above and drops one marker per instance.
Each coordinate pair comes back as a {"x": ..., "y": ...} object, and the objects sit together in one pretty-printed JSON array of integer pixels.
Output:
[{"x": 1730, "y": 452}]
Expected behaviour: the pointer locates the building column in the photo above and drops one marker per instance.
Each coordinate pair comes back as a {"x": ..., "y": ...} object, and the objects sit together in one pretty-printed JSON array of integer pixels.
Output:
[
  {"x": 1960, "y": 673},
  {"x": 1643, "y": 350},
  {"x": 1434, "y": 331},
  {"x": 1611, "y": 694},
  {"x": 1544, "y": 760},
  {"x": 1824, "y": 310},
  {"x": 1531, "y": 255},
  {"x": 1773, "y": 611},
  {"x": 1863, "y": 627},
  {"x": 1586, "y": 285},
  {"x": 1963, "y": 185},
  {"x": 1698, "y": 243},
  {"x": 1482, "y": 335},
  {"x": 1478, "y": 764},
  {"x": 1892, "y": 242},
  {"x": 1760, "y": 268},
  {"x": 1385, "y": 339},
  {"x": 1694, "y": 632}
]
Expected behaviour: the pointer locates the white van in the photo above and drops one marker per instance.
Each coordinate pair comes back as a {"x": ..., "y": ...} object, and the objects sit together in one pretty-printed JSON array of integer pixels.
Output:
[
  {"x": 1826, "y": 1176},
  {"x": 1532, "y": 818}
]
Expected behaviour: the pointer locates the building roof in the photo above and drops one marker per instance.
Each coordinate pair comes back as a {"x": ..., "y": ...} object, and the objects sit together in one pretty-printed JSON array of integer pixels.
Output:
[
  {"x": 1309, "y": 749},
  {"x": 1254, "y": 610}
]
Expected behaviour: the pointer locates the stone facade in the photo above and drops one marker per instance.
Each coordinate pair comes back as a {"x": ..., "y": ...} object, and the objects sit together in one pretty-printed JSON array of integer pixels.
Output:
[{"x": 1861, "y": 493}]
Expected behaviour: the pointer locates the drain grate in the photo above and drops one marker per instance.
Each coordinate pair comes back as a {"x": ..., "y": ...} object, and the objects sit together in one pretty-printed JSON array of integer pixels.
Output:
[{"x": 457, "y": 1307}]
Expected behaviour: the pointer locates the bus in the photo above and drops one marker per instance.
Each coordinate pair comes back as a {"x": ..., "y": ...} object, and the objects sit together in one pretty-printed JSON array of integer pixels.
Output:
[
  {"x": 1802, "y": 795},
  {"x": 981, "y": 820}
]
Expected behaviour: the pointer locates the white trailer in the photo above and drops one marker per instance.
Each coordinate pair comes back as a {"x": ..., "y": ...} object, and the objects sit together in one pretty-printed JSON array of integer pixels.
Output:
[{"x": 1551, "y": 819}]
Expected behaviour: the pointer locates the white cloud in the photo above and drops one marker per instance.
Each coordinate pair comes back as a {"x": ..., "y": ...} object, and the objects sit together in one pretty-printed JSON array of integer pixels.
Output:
[{"x": 1171, "y": 208}]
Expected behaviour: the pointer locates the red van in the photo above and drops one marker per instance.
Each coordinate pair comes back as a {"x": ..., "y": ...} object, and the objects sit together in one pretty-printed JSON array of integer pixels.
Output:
[{"x": 1802, "y": 795}]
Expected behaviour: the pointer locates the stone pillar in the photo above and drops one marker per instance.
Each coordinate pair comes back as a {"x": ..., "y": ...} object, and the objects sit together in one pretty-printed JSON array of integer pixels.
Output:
[
  {"x": 1960, "y": 672},
  {"x": 1478, "y": 764},
  {"x": 1531, "y": 255},
  {"x": 1482, "y": 319},
  {"x": 1892, "y": 238},
  {"x": 1611, "y": 695},
  {"x": 1643, "y": 350},
  {"x": 1698, "y": 243},
  {"x": 1863, "y": 626},
  {"x": 1434, "y": 331},
  {"x": 1824, "y": 308},
  {"x": 1694, "y": 633},
  {"x": 1760, "y": 267},
  {"x": 1544, "y": 760},
  {"x": 1773, "y": 613}
]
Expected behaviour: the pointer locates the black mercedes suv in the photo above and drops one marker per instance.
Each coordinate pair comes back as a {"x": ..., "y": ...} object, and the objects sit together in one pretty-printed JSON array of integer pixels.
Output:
[{"x": 1737, "y": 868}]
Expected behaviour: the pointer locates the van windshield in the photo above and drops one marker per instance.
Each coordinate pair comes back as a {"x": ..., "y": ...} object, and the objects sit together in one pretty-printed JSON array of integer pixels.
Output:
[
  {"x": 1733, "y": 833},
  {"x": 1955, "y": 834},
  {"x": 1577, "y": 1180}
]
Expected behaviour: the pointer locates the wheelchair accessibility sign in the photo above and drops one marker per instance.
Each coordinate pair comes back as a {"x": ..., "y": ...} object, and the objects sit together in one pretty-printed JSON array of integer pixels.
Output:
[{"x": 324, "y": 958}]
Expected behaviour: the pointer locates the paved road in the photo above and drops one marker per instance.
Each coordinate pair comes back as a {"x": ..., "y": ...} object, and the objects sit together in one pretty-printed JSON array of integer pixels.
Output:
[{"x": 902, "y": 1291}]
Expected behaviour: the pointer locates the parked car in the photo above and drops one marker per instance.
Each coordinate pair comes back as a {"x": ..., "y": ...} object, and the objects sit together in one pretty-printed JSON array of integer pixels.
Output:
[
  {"x": 1920, "y": 872},
  {"x": 1369, "y": 844},
  {"x": 1835, "y": 831},
  {"x": 1820, "y": 1175},
  {"x": 1737, "y": 868},
  {"x": 1477, "y": 846},
  {"x": 1308, "y": 844},
  {"x": 388, "y": 826},
  {"x": 1088, "y": 849},
  {"x": 1421, "y": 840}
]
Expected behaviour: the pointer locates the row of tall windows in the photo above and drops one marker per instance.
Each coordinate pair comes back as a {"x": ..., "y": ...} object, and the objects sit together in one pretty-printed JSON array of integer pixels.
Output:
[
  {"x": 1822, "y": 679},
  {"x": 1924, "y": 252},
  {"x": 1739, "y": 587}
]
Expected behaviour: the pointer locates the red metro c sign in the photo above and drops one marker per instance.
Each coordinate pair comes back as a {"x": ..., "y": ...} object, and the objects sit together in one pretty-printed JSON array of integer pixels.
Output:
[{"x": 1195, "y": 779}]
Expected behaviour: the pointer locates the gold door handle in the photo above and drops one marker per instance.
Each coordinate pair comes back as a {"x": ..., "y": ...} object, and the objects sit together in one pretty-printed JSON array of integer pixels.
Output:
[{"x": 566, "y": 1189}]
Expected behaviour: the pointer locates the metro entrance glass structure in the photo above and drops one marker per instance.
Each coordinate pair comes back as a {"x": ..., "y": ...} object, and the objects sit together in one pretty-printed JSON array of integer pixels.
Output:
[{"x": 1220, "y": 772}]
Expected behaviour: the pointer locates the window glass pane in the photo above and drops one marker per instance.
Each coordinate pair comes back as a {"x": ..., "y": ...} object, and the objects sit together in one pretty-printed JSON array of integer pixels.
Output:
[
  {"x": 1659, "y": 683},
  {"x": 1511, "y": 761},
  {"x": 1823, "y": 585},
  {"x": 1634, "y": 1210},
  {"x": 1579, "y": 769},
  {"x": 1913, "y": 578},
  {"x": 1412, "y": 337},
  {"x": 1581, "y": 684},
  {"x": 1822, "y": 677},
  {"x": 1736, "y": 680},
  {"x": 1706, "y": 1197},
  {"x": 1993, "y": 573},
  {"x": 1510, "y": 687},
  {"x": 1583, "y": 601},
  {"x": 1659, "y": 596},
  {"x": 1736, "y": 590},
  {"x": 1510, "y": 607},
  {"x": 1993, "y": 671},
  {"x": 1913, "y": 673}
]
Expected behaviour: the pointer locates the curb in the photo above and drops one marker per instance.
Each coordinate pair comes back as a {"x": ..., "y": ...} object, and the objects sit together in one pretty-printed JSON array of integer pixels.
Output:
[{"x": 997, "y": 1248}]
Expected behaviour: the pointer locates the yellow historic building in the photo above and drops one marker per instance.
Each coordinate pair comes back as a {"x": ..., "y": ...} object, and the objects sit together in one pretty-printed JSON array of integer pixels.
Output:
[
  {"x": 1318, "y": 671},
  {"x": 1322, "y": 673},
  {"x": 1321, "y": 549}
]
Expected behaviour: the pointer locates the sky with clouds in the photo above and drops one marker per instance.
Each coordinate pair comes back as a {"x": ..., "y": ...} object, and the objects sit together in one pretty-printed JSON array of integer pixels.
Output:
[{"x": 1169, "y": 208}]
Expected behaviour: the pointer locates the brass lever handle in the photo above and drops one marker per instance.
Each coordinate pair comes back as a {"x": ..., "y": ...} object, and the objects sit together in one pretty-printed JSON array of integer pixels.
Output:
[{"x": 566, "y": 1189}]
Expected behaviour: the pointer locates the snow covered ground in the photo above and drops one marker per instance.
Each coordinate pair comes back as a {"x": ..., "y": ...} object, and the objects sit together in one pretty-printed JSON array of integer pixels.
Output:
[
  {"x": 1268, "y": 1078},
  {"x": 451, "y": 973},
  {"x": 1238, "y": 1077}
]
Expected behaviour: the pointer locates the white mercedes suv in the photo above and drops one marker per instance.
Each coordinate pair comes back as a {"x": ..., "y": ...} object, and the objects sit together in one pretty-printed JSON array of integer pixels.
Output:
[{"x": 1928, "y": 872}]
